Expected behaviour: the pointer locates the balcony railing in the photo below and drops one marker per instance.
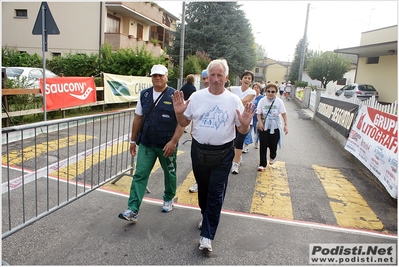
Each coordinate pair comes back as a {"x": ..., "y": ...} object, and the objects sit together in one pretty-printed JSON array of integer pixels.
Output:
[{"x": 117, "y": 41}]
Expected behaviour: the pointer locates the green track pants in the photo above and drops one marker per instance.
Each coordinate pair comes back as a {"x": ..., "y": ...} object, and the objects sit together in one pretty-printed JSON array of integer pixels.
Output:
[{"x": 146, "y": 157}]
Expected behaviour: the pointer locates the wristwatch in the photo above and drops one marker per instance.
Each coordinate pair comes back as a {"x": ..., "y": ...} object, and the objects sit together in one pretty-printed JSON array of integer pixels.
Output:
[{"x": 132, "y": 142}]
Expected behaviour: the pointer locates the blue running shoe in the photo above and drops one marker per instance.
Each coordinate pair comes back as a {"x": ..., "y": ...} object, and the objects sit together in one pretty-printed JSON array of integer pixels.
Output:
[
  {"x": 167, "y": 206},
  {"x": 129, "y": 215}
]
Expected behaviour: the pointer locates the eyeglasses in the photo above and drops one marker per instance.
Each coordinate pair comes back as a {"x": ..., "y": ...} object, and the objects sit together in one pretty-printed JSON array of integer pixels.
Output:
[{"x": 271, "y": 91}]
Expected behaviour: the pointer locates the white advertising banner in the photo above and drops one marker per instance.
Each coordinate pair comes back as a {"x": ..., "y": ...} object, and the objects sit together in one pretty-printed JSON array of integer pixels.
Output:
[
  {"x": 374, "y": 141},
  {"x": 120, "y": 88}
]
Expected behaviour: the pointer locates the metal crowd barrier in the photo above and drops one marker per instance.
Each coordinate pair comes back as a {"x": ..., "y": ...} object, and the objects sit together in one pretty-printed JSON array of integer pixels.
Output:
[{"x": 47, "y": 165}]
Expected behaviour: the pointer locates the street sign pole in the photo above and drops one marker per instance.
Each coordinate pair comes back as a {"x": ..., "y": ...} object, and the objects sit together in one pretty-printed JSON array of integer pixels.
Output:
[
  {"x": 44, "y": 49},
  {"x": 44, "y": 25}
]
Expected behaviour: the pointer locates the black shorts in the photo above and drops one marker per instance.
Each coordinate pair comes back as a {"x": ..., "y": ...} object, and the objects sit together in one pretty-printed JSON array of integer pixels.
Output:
[{"x": 239, "y": 140}]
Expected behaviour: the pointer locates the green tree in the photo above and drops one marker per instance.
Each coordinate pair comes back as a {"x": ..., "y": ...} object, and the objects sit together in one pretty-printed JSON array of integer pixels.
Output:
[
  {"x": 191, "y": 65},
  {"x": 260, "y": 52},
  {"x": 203, "y": 59},
  {"x": 219, "y": 29},
  {"x": 294, "y": 70},
  {"x": 327, "y": 66},
  {"x": 79, "y": 64},
  {"x": 194, "y": 64},
  {"x": 11, "y": 57},
  {"x": 128, "y": 61}
]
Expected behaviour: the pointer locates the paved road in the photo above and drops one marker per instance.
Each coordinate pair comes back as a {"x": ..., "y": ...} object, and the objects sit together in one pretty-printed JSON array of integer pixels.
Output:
[{"x": 314, "y": 193}]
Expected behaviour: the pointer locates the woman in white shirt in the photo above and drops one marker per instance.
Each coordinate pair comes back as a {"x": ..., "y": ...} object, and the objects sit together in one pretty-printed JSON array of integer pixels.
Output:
[
  {"x": 247, "y": 95},
  {"x": 270, "y": 128}
]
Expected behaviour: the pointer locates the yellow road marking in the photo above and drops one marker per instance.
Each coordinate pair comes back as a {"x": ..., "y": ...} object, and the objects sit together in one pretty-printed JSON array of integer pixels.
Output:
[
  {"x": 71, "y": 171},
  {"x": 349, "y": 207},
  {"x": 183, "y": 196},
  {"x": 123, "y": 184},
  {"x": 28, "y": 153},
  {"x": 272, "y": 194}
]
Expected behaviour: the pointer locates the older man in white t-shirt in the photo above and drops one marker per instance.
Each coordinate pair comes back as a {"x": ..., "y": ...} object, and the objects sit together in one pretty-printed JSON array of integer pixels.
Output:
[{"x": 215, "y": 113}]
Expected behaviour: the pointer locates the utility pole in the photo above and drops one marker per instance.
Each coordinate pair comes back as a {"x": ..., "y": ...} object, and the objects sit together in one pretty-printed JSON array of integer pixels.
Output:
[
  {"x": 371, "y": 12},
  {"x": 288, "y": 66},
  {"x": 302, "y": 62},
  {"x": 181, "y": 55}
]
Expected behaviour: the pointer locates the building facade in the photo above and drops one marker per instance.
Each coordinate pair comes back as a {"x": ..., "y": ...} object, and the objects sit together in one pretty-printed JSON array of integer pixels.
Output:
[
  {"x": 85, "y": 26},
  {"x": 378, "y": 61},
  {"x": 271, "y": 70}
]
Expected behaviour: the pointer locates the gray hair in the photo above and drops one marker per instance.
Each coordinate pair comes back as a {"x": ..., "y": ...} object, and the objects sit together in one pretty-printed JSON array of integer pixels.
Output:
[{"x": 222, "y": 62}]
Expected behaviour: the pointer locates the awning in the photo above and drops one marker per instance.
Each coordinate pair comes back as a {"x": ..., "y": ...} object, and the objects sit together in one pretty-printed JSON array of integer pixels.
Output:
[{"x": 374, "y": 50}]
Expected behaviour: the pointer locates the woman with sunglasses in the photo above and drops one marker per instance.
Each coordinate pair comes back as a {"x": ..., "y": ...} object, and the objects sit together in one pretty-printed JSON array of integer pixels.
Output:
[{"x": 270, "y": 128}]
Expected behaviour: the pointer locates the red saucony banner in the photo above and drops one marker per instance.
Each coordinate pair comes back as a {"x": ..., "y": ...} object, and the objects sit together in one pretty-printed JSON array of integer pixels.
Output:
[{"x": 65, "y": 92}]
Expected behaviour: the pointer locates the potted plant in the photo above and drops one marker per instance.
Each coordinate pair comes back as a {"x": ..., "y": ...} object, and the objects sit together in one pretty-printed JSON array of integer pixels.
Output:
[{"x": 154, "y": 41}]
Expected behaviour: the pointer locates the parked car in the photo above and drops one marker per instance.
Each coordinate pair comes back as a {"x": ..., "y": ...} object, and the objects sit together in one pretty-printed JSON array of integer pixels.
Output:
[
  {"x": 361, "y": 91},
  {"x": 29, "y": 77}
]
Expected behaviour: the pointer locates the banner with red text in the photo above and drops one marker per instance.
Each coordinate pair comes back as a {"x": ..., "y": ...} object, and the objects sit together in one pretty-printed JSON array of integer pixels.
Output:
[
  {"x": 65, "y": 92},
  {"x": 374, "y": 141},
  {"x": 120, "y": 89}
]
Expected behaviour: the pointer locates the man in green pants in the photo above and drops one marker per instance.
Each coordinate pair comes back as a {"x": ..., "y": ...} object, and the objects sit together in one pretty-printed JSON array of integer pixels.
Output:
[{"x": 156, "y": 133}]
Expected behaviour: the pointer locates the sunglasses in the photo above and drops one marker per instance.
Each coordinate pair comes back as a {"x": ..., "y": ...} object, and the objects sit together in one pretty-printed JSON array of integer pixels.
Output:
[{"x": 271, "y": 91}]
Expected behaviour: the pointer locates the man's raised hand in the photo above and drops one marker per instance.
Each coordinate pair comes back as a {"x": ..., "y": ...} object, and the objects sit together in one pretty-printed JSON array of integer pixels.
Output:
[{"x": 179, "y": 105}]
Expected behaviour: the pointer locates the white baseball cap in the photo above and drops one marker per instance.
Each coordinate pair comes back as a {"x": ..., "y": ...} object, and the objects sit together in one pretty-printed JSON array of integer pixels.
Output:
[{"x": 159, "y": 69}]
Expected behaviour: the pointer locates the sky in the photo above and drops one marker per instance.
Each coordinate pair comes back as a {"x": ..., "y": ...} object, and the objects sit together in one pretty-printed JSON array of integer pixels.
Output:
[{"x": 279, "y": 25}]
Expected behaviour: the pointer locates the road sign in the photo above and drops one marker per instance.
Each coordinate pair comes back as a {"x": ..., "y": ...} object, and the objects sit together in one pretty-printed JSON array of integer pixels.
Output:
[
  {"x": 50, "y": 26},
  {"x": 44, "y": 25}
]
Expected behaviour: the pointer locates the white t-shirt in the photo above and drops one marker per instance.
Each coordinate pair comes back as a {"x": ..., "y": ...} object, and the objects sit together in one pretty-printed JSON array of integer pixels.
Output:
[
  {"x": 288, "y": 88},
  {"x": 277, "y": 108},
  {"x": 273, "y": 120},
  {"x": 237, "y": 91},
  {"x": 282, "y": 86},
  {"x": 139, "y": 107},
  {"x": 214, "y": 116}
]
